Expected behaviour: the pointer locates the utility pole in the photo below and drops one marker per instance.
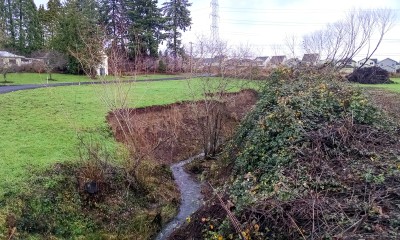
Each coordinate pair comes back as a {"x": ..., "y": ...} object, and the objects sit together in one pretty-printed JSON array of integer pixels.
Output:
[
  {"x": 214, "y": 20},
  {"x": 191, "y": 56}
]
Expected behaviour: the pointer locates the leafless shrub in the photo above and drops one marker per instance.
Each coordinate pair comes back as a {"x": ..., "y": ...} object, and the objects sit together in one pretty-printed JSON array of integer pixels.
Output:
[
  {"x": 6, "y": 68},
  {"x": 50, "y": 61},
  {"x": 220, "y": 67},
  {"x": 91, "y": 53}
]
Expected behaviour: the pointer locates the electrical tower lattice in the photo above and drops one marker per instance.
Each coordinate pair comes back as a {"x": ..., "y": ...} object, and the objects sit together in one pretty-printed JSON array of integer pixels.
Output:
[{"x": 214, "y": 20}]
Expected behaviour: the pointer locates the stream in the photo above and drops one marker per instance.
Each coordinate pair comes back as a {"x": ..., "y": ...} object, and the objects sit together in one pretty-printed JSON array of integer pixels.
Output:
[{"x": 191, "y": 197}]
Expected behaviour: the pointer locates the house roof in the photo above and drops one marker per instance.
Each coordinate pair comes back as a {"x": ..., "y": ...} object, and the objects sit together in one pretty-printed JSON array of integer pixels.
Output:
[
  {"x": 371, "y": 59},
  {"x": 346, "y": 60},
  {"x": 390, "y": 60},
  {"x": 277, "y": 59},
  {"x": 261, "y": 58},
  {"x": 8, "y": 55},
  {"x": 310, "y": 57}
]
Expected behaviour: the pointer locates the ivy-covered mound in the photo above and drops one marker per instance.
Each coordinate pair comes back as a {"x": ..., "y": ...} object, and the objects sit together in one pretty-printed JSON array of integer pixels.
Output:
[{"x": 314, "y": 160}]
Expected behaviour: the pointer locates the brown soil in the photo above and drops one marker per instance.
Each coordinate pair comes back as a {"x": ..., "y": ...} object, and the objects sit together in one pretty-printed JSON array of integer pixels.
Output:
[{"x": 172, "y": 132}]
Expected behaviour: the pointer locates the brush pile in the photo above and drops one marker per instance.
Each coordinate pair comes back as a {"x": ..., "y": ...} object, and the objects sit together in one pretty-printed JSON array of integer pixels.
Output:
[{"x": 370, "y": 75}]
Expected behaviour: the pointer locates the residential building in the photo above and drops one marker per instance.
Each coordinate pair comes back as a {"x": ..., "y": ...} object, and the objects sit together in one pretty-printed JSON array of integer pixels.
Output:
[
  {"x": 7, "y": 58},
  {"x": 367, "y": 63},
  {"x": 276, "y": 61},
  {"x": 261, "y": 61},
  {"x": 10, "y": 59},
  {"x": 346, "y": 63},
  {"x": 310, "y": 59},
  {"x": 292, "y": 62},
  {"x": 388, "y": 64}
]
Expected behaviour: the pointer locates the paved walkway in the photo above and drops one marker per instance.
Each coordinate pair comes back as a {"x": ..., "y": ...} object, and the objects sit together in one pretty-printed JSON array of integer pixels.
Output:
[{"x": 13, "y": 88}]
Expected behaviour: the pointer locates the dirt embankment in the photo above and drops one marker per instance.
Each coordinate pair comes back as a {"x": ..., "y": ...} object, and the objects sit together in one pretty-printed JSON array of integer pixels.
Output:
[{"x": 174, "y": 132}]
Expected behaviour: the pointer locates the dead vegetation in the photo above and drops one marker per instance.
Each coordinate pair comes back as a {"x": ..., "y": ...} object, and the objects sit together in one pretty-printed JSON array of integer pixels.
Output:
[
  {"x": 370, "y": 75},
  {"x": 173, "y": 132},
  {"x": 388, "y": 101}
]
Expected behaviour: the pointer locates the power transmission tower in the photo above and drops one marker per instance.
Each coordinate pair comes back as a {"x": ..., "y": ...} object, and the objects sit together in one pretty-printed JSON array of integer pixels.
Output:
[{"x": 214, "y": 20}]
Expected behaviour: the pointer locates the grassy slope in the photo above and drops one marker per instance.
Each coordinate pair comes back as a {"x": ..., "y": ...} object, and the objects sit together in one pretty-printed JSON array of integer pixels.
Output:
[
  {"x": 390, "y": 87},
  {"x": 37, "y": 78},
  {"x": 39, "y": 126}
]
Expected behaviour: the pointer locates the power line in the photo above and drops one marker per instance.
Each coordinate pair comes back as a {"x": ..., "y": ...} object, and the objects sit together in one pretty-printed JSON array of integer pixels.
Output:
[
  {"x": 251, "y": 22},
  {"x": 292, "y": 10}
]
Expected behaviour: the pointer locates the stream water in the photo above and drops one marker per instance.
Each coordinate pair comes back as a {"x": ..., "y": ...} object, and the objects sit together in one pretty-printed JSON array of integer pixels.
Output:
[{"x": 191, "y": 197}]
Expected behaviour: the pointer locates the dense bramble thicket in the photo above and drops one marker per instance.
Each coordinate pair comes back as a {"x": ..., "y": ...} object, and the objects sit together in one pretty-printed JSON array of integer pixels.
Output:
[
  {"x": 370, "y": 75},
  {"x": 314, "y": 160}
]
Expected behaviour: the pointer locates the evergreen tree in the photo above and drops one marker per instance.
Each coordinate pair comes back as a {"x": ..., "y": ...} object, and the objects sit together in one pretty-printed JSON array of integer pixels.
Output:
[
  {"x": 113, "y": 16},
  {"x": 178, "y": 19},
  {"x": 8, "y": 24},
  {"x": 79, "y": 33},
  {"x": 146, "y": 25},
  {"x": 49, "y": 19},
  {"x": 42, "y": 15},
  {"x": 34, "y": 31},
  {"x": 21, "y": 25},
  {"x": 3, "y": 20}
]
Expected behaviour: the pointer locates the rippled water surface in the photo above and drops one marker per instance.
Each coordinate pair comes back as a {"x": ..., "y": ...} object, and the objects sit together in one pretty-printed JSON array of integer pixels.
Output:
[{"x": 191, "y": 197}]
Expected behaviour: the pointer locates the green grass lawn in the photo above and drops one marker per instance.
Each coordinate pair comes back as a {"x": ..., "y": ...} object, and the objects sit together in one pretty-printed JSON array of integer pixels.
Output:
[
  {"x": 41, "y": 78},
  {"x": 39, "y": 127},
  {"x": 394, "y": 87}
]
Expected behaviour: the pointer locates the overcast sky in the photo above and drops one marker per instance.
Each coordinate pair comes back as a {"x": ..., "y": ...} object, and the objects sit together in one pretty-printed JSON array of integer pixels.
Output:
[{"x": 264, "y": 24}]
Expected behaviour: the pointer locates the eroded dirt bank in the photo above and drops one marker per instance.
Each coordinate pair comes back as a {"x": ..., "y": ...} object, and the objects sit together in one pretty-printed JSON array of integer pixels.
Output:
[{"x": 173, "y": 132}]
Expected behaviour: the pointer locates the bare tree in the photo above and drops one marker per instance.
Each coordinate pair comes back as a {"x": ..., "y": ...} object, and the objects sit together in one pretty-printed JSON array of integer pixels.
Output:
[
  {"x": 51, "y": 60},
  {"x": 292, "y": 44},
  {"x": 343, "y": 40},
  {"x": 91, "y": 53},
  {"x": 218, "y": 66},
  {"x": 276, "y": 49},
  {"x": 6, "y": 68}
]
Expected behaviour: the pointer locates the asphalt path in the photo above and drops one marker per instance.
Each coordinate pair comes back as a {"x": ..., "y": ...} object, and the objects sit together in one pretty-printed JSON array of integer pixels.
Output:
[{"x": 12, "y": 88}]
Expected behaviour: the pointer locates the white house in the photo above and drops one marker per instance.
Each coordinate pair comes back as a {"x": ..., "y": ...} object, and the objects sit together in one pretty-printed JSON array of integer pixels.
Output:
[
  {"x": 8, "y": 58},
  {"x": 388, "y": 64},
  {"x": 369, "y": 63},
  {"x": 346, "y": 63},
  {"x": 261, "y": 61}
]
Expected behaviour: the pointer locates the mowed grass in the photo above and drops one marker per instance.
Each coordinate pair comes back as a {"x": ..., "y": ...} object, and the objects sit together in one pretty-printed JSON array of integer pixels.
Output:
[
  {"x": 41, "y": 78},
  {"x": 394, "y": 87},
  {"x": 39, "y": 127}
]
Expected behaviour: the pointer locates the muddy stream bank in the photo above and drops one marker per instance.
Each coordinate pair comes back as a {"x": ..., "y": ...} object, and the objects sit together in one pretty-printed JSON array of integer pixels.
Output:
[{"x": 167, "y": 134}]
